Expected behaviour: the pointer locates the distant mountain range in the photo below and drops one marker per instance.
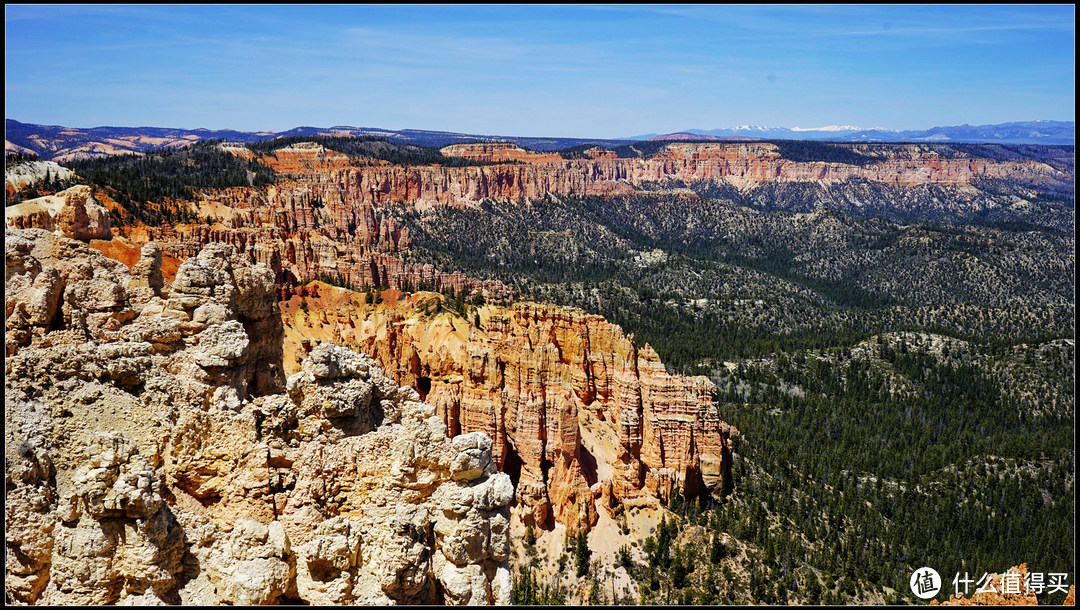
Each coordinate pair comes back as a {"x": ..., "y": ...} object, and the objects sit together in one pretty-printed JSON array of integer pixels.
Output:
[
  {"x": 1026, "y": 132},
  {"x": 57, "y": 143}
]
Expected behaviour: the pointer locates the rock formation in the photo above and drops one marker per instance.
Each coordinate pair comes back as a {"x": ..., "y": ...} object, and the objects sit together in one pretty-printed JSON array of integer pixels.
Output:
[
  {"x": 599, "y": 152},
  {"x": 73, "y": 212},
  {"x": 326, "y": 216},
  {"x": 21, "y": 175},
  {"x": 575, "y": 409},
  {"x": 306, "y": 231},
  {"x": 497, "y": 152},
  {"x": 303, "y": 159},
  {"x": 155, "y": 452}
]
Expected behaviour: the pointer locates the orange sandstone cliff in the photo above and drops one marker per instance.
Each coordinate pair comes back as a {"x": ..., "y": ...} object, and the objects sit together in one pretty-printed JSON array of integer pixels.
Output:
[
  {"x": 575, "y": 408},
  {"x": 325, "y": 176}
]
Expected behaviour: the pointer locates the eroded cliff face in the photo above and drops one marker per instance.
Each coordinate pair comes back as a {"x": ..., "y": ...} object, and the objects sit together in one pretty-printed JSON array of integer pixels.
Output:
[
  {"x": 156, "y": 453},
  {"x": 599, "y": 152},
  {"x": 306, "y": 230},
  {"x": 740, "y": 164},
  {"x": 577, "y": 411},
  {"x": 325, "y": 216}
]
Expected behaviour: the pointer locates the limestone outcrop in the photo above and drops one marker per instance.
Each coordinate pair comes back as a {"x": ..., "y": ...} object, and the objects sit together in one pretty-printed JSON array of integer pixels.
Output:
[
  {"x": 155, "y": 453},
  {"x": 575, "y": 408},
  {"x": 73, "y": 212},
  {"x": 27, "y": 173},
  {"x": 114, "y": 538}
]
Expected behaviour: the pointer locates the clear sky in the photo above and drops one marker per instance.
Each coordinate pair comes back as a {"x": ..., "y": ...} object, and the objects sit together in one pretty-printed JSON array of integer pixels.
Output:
[{"x": 599, "y": 71}]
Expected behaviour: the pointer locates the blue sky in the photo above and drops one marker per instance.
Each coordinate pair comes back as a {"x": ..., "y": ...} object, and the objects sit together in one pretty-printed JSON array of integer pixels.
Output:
[{"x": 599, "y": 71}]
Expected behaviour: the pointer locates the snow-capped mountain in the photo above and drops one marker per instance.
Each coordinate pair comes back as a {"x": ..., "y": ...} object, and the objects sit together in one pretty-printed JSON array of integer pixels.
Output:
[{"x": 1025, "y": 132}]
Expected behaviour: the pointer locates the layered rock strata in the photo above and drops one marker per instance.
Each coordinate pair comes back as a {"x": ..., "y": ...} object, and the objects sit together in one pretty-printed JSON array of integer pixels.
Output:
[
  {"x": 155, "y": 453},
  {"x": 325, "y": 220},
  {"x": 577, "y": 411},
  {"x": 740, "y": 164},
  {"x": 303, "y": 159}
]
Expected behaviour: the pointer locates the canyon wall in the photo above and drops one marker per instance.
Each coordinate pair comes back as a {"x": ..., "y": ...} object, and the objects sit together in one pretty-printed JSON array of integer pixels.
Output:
[
  {"x": 575, "y": 408},
  {"x": 323, "y": 217},
  {"x": 319, "y": 178},
  {"x": 155, "y": 452},
  {"x": 740, "y": 164}
]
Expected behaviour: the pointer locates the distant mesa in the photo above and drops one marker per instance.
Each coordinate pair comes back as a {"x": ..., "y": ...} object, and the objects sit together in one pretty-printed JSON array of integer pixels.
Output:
[
  {"x": 497, "y": 152},
  {"x": 599, "y": 152}
]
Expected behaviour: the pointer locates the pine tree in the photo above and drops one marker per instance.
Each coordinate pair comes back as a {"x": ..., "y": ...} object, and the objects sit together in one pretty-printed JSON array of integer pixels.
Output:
[{"x": 581, "y": 554}]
